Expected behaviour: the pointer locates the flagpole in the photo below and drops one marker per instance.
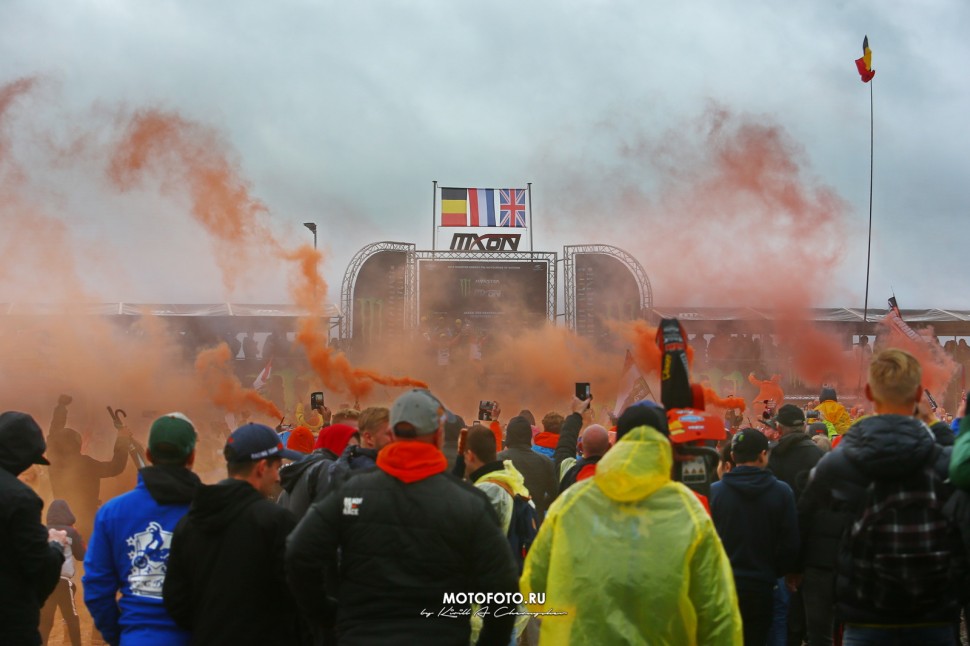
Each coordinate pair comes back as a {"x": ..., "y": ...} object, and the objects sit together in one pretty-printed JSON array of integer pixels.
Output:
[
  {"x": 865, "y": 313},
  {"x": 434, "y": 200},
  {"x": 531, "y": 247}
]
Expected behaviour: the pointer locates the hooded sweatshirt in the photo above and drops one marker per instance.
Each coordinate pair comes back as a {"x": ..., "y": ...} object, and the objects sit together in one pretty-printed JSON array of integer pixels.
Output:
[
  {"x": 30, "y": 566},
  {"x": 232, "y": 534},
  {"x": 658, "y": 573},
  {"x": 792, "y": 459},
  {"x": 129, "y": 552},
  {"x": 754, "y": 514},
  {"x": 59, "y": 516}
]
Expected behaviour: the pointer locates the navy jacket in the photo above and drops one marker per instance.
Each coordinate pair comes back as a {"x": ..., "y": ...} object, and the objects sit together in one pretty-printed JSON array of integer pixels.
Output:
[{"x": 754, "y": 514}]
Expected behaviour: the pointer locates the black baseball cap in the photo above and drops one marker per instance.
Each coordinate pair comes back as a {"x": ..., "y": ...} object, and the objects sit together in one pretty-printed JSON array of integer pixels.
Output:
[
  {"x": 749, "y": 441},
  {"x": 790, "y": 415}
]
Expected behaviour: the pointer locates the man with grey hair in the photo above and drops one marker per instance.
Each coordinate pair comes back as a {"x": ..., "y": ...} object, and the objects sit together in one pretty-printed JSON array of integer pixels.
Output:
[{"x": 408, "y": 535}]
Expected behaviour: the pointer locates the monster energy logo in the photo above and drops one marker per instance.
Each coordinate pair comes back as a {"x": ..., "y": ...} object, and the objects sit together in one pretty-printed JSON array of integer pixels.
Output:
[
  {"x": 465, "y": 286},
  {"x": 370, "y": 319}
]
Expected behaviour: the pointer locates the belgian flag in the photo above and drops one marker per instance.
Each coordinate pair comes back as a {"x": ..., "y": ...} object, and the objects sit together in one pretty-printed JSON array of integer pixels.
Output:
[
  {"x": 454, "y": 207},
  {"x": 864, "y": 64}
]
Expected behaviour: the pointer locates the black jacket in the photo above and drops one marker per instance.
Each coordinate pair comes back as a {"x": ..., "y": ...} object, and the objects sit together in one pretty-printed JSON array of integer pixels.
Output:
[
  {"x": 354, "y": 459},
  {"x": 30, "y": 566},
  {"x": 402, "y": 546},
  {"x": 306, "y": 481},
  {"x": 537, "y": 471},
  {"x": 225, "y": 580},
  {"x": 568, "y": 440},
  {"x": 874, "y": 448},
  {"x": 793, "y": 458},
  {"x": 754, "y": 514},
  {"x": 569, "y": 478}
]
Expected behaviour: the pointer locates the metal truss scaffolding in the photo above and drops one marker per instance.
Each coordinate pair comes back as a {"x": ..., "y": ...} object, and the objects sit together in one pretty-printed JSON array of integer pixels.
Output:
[
  {"x": 350, "y": 279},
  {"x": 569, "y": 253}
]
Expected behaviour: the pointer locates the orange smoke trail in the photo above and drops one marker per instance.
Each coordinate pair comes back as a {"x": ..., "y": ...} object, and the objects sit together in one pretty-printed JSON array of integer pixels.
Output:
[
  {"x": 711, "y": 398},
  {"x": 223, "y": 387},
  {"x": 397, "y": 382},
  {"x": 335, "y": 369},
  {"x": 331, "y": 366},
  {"x": 188, "y": 154}
]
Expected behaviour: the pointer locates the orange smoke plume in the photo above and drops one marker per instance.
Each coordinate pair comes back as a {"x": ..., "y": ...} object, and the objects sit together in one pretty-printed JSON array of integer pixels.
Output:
[
  {"x": 938, "y": 367},
  {"x": 223, "y": 387},
  {"x": 646, "y": 352},
  {"x": 188, "y": 155}
]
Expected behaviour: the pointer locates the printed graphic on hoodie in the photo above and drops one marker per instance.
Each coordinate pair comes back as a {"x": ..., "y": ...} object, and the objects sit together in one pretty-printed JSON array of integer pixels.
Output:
[{"x": 149, "y": 556}]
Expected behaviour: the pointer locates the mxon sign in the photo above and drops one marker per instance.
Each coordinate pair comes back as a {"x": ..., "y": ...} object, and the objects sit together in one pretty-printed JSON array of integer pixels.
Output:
[{"x": 487, "y": 242}]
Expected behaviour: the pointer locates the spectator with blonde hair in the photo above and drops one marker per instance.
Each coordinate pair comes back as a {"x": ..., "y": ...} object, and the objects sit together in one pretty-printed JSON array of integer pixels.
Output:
[{"x": 883, "y": 489}]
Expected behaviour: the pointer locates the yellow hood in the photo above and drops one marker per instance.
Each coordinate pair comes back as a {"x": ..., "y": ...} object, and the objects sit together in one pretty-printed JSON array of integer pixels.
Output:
[
  {"x": 510, "y": 477},
  {"x": 636, "y": 467}
]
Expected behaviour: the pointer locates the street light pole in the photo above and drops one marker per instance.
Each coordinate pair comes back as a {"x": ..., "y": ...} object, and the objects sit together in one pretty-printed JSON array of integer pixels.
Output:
[{"x": 312, "y": 226}]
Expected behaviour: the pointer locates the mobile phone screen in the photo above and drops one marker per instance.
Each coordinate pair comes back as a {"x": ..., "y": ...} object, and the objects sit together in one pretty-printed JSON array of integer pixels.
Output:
[{"x": 583, "y": 391}]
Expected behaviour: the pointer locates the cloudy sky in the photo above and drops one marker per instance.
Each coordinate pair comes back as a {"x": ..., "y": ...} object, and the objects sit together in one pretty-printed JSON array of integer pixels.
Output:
[{"x": 343, "y": 113}]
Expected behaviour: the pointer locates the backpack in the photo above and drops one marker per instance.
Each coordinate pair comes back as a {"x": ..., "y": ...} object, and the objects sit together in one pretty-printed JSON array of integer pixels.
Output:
[
  {"x": 67, "y": 568},
  {"x": 904, "y": 554},
  {"x": 524, "y": 525}
]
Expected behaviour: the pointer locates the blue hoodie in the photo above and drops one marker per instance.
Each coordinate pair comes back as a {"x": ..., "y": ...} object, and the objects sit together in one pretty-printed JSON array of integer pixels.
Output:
[
  {"x": 754, "y": 514},
  {"x": 128, "y": 552}
]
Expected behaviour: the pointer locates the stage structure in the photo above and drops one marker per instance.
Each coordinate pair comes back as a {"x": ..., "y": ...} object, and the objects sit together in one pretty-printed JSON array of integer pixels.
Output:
[
  {"x": 483, "y": 272},
  {"x": 390, "y": 286},
  {"x": 603, "y": 283}
]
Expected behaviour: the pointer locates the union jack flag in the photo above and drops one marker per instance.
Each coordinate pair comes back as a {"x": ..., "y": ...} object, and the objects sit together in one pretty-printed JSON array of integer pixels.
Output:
[{"x": 511, "y": 207}]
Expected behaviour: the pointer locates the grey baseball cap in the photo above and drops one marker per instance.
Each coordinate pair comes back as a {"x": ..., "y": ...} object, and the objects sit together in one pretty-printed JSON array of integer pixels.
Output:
[{"x": 420, "y": 409}]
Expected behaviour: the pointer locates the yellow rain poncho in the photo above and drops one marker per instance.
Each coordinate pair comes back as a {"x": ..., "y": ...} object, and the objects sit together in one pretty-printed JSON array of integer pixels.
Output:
[{"x": 631, "y": 557}]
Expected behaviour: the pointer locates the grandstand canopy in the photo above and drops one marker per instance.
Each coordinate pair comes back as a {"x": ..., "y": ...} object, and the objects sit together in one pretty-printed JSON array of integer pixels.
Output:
[
  {"x": 330, "y": 310},
  {"x": 752, "y": 320}
]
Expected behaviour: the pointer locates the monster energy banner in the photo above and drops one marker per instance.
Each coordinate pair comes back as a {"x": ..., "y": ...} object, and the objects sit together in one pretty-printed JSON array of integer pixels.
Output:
[
  {"x": 483, "y": 293},
  {"x": 379, "y": 299},
  {"x": 605, "y": 289}
]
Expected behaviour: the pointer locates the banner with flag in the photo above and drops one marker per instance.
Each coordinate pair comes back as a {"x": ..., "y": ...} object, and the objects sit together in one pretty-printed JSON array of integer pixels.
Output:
[
  {"x": 633, "y": 387},
  {"x": 895, "y": 320},
  {"x": 263, "y": 376},
  {"x": 484, "y": 207},
  {"x": 864, "y": 64}
]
